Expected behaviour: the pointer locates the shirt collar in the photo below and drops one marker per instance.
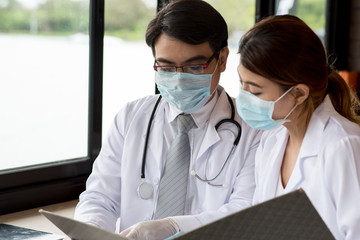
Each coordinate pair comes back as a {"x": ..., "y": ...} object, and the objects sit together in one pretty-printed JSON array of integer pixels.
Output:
[{"x": 200, "y": 117}]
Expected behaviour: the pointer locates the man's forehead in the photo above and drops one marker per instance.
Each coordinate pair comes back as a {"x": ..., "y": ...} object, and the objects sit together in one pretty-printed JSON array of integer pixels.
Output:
[{"x": 174, "y": 50}]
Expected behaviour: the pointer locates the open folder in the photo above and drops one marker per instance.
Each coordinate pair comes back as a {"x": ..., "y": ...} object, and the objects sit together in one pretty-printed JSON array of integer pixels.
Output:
[
  {"x": 77, "y": 230},
  {"x": 290, "y": 216}
]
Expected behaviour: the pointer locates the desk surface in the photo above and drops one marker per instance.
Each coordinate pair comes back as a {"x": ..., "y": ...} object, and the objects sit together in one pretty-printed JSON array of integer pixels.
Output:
[{"x": 33, "y": 219}]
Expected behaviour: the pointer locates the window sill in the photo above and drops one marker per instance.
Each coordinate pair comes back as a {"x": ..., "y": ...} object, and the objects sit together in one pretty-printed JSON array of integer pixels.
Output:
[{"x": 34, "y": 220}]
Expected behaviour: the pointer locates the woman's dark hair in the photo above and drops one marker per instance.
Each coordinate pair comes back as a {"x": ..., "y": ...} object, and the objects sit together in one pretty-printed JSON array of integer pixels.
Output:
[
  {"x": 285, "y": 50},
  {"x": 191, "y": 21}
]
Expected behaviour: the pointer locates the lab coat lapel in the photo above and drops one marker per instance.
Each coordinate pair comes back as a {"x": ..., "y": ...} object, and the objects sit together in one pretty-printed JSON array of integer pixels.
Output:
[
  {"x": 273, "y": 164},
  {"x": 309, "y": 148},
  {"x": 221, "y": 111},
  {"x": 155, "y": 143}
]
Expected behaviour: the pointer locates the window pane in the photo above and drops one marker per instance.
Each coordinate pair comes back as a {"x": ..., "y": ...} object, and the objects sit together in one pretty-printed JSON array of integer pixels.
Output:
[
  {"x": 128, "y": 61},
  {"x": 312, "y": 12},
  {"x": 44, "y": 81},
  {"x": 240, "y": 17}
]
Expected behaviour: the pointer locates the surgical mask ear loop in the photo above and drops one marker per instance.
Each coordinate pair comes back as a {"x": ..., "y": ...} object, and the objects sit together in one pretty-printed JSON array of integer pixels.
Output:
[
  {"x": 217, "y": 63},
  {"x": 287, "y": 115},
  {"x": 283, "y": 94}
]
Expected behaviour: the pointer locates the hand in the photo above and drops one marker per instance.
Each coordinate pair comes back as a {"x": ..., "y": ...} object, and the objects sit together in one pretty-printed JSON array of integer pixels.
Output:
[{"x": 152, "y": 230}]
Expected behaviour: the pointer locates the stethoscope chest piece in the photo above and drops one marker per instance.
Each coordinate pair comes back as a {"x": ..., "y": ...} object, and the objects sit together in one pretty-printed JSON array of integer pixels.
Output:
[{"x": 145, "y": 190}]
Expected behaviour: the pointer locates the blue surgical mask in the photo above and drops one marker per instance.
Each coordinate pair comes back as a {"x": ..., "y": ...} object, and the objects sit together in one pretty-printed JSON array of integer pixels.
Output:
[
  {"x": 257, "y": 113},
  {"x": 185, "y": 91}
]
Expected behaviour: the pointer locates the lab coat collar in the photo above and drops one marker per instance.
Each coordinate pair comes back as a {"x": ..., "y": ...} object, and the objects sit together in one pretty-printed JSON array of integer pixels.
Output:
[
  {"x": 317, "y": 124},
  {"x": 200, "y": 117},
  {"x": 312, "y": 141},
  {"x": 208, "y": 117},
  {"x": 221, "y": 110}
]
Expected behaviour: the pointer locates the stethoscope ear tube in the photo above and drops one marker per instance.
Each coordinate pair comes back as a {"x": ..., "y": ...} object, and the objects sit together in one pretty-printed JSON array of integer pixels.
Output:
[
  {"x": 231, "y": 120},
  {"x": 147, "y": 138},
  {"x": 145, "y": 190},
  {"x": 237, "y": 139},
  {"x": 232, "y": 106}
]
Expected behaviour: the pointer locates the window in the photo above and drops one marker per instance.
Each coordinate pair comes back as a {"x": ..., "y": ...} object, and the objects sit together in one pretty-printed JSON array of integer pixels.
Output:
[
  {"x": 312, "y": 12},
  {"x": 44, "y": 74},
  {"x": 48, "y": 135},
  {"x": 240, "y": 17},
  {"x": 128, "y": 61}
]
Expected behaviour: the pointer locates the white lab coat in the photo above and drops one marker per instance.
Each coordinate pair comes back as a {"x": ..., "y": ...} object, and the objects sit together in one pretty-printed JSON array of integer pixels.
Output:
[
  {"x": 111, "y": 190},
  {"x": 327, "y": 168}
]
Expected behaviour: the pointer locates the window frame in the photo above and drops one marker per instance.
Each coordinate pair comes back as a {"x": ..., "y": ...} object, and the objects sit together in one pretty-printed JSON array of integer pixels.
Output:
[
  {"x": 43, "y": 184},
  {"x": 264, "y": 8},
  {"x": 337, "y": 32}
]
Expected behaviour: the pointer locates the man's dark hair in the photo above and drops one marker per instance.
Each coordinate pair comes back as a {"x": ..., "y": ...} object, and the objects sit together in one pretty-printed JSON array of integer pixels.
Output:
[{"x": 191, "y": 21}]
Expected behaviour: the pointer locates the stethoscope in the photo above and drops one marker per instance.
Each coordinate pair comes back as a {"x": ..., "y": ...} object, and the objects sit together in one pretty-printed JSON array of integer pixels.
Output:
[{"x": 145, "y": 189}]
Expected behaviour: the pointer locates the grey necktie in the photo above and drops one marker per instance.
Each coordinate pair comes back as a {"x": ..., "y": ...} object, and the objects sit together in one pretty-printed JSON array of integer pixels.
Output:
[{"x": 173, "y": 184}]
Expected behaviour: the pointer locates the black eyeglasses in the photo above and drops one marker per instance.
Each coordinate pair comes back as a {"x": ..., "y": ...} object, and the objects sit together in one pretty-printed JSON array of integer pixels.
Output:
[{"x": 193, "y": 68}]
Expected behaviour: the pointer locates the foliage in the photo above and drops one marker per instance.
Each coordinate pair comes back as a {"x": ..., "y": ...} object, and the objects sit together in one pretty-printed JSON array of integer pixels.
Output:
[
  {"x": 63, "y": 16},
  {"x": 53, "y": 16},
  {"x": 238, "y": 14},
  {"x": 128, "y": 19},
  {"x": 13, "y": 17},
  {"x": 312, "y": 13}
]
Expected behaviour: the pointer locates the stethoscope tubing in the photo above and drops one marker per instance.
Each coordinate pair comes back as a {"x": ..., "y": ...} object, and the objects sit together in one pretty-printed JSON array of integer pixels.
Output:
[
  {"x": 235, "y": 143},
  {"x": 147, "y": 138}
]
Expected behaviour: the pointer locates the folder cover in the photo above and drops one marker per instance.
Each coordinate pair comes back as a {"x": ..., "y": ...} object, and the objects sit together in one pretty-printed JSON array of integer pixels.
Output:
[
  {"x": 291, "y": 216},
  {"x": 78, "y": 230}
]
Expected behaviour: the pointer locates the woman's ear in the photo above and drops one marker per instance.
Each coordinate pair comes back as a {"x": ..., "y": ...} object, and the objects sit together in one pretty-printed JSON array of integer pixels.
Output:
[
  {"x": 224, "y": 53},
  {"x": 301, "y": 92}
]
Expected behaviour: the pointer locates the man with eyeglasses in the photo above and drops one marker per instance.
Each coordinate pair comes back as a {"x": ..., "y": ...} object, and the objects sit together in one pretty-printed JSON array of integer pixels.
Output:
[{"x": 158, "y": 178}]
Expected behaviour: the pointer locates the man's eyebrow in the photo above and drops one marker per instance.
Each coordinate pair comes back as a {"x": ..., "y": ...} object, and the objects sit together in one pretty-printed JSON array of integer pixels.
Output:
[
  {"x": 163, "y": 60},
  {"x": 195, "y": 58}
]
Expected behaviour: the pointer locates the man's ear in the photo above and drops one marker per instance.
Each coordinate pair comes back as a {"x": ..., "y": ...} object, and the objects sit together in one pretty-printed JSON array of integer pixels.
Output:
[
  {"x": 301, "y": 92},
  {"x": 224, "y": 53}
]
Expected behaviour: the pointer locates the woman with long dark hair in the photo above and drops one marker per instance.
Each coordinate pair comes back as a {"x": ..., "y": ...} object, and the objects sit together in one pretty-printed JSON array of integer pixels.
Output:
[{"x": 313, "y": 135}]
